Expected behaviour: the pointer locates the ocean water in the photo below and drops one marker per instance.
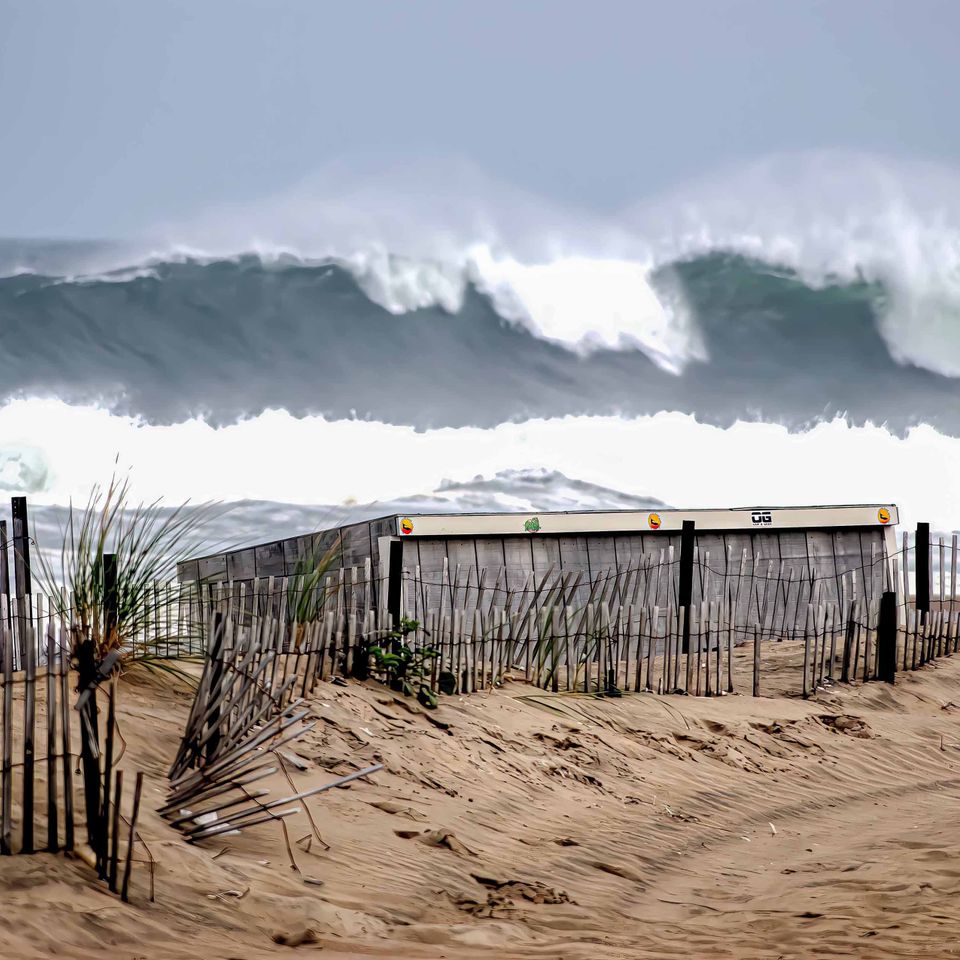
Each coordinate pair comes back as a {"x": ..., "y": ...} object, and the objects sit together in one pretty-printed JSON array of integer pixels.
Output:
[
  {"x": 173, "y": 340},
  {"x": 787, "y": 332}
]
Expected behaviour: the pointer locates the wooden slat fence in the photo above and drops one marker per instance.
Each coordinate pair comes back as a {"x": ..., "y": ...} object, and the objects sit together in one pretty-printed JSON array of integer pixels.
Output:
[
  {"x": 167, "y": 624},
  {"x": 621, "y": 630},
  {"x": 249, "y": 704},
  {"x": 50, "y": 724}
]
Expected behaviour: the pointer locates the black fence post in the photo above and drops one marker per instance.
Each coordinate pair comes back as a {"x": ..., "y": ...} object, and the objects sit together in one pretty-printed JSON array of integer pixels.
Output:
[
  {"x": 394, "y": 582},
  {"x": 922, "y": 577},
  {"x": 6, "y": 738},
  {"x": 21, "y": 561},
  {"x": 90, "y": 743},
  {"x": 756, "y": 661},
  {"x": 110, "y": 601},
  {"x": 887, "y": 637},
  {"x": 4, "y": 588},
  {"x": 5, "y": 567},
  {"x": 21, "y": 569},
  {"x": 848, "y": 638},
  {"x": 922, "y": 565},
  {"x": 685, "y": 584},
  {"x": 21, "y": 546}
]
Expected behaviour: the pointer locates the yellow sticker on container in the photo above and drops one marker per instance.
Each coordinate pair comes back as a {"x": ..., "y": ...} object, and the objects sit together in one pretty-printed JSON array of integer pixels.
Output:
[
  {"x": 406, "y": 525},
  {"x": 654, "y": 521},
  {"x": 883, "y": 515}
]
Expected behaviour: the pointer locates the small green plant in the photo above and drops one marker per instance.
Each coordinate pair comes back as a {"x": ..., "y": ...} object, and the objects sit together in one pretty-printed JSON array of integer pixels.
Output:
[{"x": 407, "y": 670}]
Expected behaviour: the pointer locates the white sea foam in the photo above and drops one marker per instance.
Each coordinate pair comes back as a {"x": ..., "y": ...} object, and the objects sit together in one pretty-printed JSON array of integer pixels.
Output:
[
  {"x": 587, "y": 302},
  {"x": 668, "y": 456},
  {"x": 415, "y": 238},
  {"x": 835, "y": 216},
  {"x": 580, "y": 302}
]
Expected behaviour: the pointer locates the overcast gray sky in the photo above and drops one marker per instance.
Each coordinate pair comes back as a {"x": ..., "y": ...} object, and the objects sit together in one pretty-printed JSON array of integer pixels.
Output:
[{"x": 120, "y": 113}]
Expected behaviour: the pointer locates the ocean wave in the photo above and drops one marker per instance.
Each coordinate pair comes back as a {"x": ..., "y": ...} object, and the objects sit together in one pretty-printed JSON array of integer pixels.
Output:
[
  {"x": 416, "y": 238},
  {"x": 232, "y": 338},
  {"x": 835, "y": 218},
  {"x": 790, "y": 290},
  {"x": 581, "y": 303}
]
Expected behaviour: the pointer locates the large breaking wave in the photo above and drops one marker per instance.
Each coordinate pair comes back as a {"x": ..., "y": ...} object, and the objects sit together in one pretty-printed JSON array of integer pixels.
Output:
[
  {"x": 790, "y": 290},
  {"x": 230, "y": 338}
]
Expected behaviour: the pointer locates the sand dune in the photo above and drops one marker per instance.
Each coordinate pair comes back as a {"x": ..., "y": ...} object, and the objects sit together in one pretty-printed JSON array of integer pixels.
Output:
[{"x": 518, "y": 824}]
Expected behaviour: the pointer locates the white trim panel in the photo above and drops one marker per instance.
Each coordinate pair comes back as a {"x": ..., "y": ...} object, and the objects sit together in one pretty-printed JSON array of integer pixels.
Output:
[{"x": 645, "y": 521}]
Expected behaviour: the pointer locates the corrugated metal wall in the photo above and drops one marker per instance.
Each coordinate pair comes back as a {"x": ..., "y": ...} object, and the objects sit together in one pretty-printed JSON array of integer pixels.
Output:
[
  {"x": 777, "y": 567},
  {"x": 782, "y": 570},
  {"x": 280, "y": 558}
]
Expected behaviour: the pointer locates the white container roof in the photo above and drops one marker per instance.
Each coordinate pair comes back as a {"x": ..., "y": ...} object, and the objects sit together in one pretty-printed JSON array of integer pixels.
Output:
[{"x": 645, "y": 521}]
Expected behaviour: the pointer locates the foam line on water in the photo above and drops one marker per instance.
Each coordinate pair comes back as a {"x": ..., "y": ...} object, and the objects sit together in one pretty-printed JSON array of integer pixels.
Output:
[{"x": 55, "y": 452}]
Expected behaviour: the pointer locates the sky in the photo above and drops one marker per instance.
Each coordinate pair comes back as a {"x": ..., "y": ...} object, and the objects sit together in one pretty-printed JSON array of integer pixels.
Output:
[{"x": 118, "y": 114}]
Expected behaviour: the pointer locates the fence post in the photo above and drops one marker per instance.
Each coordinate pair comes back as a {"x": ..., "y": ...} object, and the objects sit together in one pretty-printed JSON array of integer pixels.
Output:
[
  {"x": 4, "y": 567},
  {"x": 756, "y": 660},
  {"x": 109, "y": 599},
  {"x": 21, "y": 568},
  {"x": 6, "y": 722},
  {"x": 89, "y": 742},
  {"x": 21, "y": 546},
  {"x": 395, "y": 582},
  {"x": 921, "y": 549},
  {"x": 216, "y": 683},
  {"x": 28, "y": 660},
  {"x": 685, "y": 584},
  {"x": 887, "y": 637}
]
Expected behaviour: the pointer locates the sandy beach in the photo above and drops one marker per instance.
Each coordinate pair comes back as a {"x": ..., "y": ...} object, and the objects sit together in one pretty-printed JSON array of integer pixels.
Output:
[{"x": 519, "y": 824}]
